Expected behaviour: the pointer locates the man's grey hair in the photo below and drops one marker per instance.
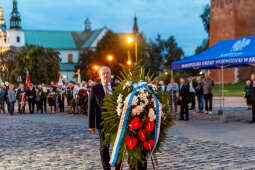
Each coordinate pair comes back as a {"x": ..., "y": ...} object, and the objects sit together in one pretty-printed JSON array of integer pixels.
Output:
[
  {"x": 103, "y": 68},
  {"x": 182, "y": 79}
]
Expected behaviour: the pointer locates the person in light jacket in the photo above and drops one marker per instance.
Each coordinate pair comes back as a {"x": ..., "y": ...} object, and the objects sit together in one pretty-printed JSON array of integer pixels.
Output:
[
  {"x": 208, "y": 85},
  {"x": 11, "y": 98}
]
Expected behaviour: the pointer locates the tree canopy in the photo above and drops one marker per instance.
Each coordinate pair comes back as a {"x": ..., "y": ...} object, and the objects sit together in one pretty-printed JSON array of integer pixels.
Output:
[
  {"x": 156, "y": 55},
  {"x": 42, "y": 64},
  {"x": 205, "y": 16}
]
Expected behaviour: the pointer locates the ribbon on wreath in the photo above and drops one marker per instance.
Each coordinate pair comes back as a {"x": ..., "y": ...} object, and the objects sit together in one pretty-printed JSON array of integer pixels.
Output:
[{"x": 124, "y": 119}]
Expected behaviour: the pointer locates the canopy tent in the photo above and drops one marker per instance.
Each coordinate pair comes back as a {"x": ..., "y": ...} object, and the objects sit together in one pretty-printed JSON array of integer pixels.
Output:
[{"x": 227, "y": 53}]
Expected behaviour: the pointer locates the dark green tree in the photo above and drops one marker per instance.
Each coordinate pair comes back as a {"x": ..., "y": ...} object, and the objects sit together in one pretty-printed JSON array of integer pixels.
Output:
[
  {"x": 202, "y": 47},
  {"x": 154, "y": 58},
  {"x": 111, "y": 44},
  {"x": 42, "y": 64},
  {"x": 84, "y": 63},
  {"x": 173, "y": 52},
  {"x": 205, "y": 16}
]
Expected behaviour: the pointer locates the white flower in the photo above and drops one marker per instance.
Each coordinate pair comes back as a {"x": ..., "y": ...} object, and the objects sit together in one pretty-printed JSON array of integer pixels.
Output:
[
  {"x": 135, "y": 101},
  {"x": 137, "y": 110},
  {"x": 146, "y": 102},
  {"x": 142, "y": 90},
  {"x": 119, "y": 111},
  {"x": 127, "y": 84},
  {"x": 127, "y": 99},
  {"x": 120, "y": 98},
  {"x": 134, "y": 111},
  {"x": 152, "y": 115},
  {"x": 142, "y": 96},
  {"x": 154, "y": 87},
  {"x": 140, "y": 109}
]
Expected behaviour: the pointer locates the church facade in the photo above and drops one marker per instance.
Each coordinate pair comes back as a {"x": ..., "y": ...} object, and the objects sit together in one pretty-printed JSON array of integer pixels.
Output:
[{"x": 69, "y": 44}]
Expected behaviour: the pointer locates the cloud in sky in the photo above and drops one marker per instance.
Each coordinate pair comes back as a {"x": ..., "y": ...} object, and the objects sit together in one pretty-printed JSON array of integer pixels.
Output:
[{"x": 166, "y": 17}]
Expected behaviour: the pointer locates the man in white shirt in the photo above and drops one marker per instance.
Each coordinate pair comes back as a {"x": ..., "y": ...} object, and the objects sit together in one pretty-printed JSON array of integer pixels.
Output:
[{"x": 192, "y": 92}]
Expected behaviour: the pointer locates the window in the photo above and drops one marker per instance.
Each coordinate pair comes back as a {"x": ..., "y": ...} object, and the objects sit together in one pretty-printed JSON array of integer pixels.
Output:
[
  {"x": 18, "y": 39},
  {"x": 70, "y": 58}
]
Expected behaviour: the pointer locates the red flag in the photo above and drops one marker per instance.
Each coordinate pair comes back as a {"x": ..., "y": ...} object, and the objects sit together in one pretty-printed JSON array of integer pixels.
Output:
[{"x": 28, "y": 79}]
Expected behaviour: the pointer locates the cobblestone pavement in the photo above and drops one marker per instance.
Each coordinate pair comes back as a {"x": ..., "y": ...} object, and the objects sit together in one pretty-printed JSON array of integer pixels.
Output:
[{"x": 62, "y": 141}]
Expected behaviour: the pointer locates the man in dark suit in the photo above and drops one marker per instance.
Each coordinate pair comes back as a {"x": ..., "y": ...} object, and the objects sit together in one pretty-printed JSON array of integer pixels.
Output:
[
  {"x": 31, "y": 94},
  {"x": 192, "y": 92},
  {"x": 253, "y": 97},
  {"x": 95, "y": 102},
  {"x": 184, "y": 100},
  {"x": 2, "y": 98}
]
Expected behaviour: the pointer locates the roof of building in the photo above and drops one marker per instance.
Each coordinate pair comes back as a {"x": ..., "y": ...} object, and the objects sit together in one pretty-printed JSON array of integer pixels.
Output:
[
  {"x": 61, "y": 39},
  {"x": 67, "y": 66}
]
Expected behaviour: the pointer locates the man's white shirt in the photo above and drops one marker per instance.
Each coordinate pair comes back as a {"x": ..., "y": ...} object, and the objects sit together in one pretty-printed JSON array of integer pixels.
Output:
[{"x": 109, "y": 88}]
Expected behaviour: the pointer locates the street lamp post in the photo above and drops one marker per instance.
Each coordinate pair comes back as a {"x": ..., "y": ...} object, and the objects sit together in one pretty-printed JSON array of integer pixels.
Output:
[
  {"x": 131, "y": 40},
  {"x": 110, "y": 58},
  {"x": 136, "y": 53}
]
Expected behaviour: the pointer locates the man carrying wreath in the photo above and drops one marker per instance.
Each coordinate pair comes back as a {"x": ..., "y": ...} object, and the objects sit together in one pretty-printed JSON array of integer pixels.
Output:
[{"x": 95, "y": 103}]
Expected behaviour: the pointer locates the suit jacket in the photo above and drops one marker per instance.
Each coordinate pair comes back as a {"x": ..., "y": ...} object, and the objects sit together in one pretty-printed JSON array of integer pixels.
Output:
[
  {"x": 252, "y": 93},
  {"x": 2, "y": 94},
  {"x": 31, "y": 94},
  {"x": 95, "y": 103},
  {"x": 184, "y": 93}
]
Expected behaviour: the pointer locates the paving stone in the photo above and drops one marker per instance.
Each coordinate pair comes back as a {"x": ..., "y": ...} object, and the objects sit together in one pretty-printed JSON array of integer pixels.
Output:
[{"x": 62, "y": 141}]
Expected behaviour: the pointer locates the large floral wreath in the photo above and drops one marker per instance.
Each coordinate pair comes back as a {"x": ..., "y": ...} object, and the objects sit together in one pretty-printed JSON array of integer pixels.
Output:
[{"x": 136, "y": 120}]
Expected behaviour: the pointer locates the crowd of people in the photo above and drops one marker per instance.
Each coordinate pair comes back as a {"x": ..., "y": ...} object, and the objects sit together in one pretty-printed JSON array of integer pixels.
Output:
[
  {"x": 189, "y": 92},
  {"x": 57, "y": 96},
  {"x": 41, "y": 98},
  {"x": 249, "y": 91}
]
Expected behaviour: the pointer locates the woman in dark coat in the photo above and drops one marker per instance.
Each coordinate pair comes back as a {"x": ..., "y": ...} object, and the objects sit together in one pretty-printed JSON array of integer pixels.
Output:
[
  {"x": 52, "y": 99},
  {"x": 247, "y": 91}
]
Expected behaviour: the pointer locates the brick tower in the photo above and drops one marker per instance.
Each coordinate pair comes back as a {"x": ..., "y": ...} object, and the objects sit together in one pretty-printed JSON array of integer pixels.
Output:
[{"x": 231, "y": 19}]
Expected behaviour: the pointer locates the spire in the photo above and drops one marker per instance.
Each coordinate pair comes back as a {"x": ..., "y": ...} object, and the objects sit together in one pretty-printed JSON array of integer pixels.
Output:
[
  {"x": 135, "y": 27},
  {"x": 15, "y": 21},
  {"x": 2, "y": 22},
  {"x": 87, "y": 25}
]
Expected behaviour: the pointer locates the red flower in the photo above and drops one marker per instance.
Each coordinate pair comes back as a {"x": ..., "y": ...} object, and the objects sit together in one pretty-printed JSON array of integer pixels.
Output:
[
  {"x": 82, "y": 92},
  {"x": 148, "y": 145},
  {"x": 141, "y": 135},
  {"x": 131, "y": 142},
  {"x": 135, "y": 124},
  {"x": 150, "y": 125}
]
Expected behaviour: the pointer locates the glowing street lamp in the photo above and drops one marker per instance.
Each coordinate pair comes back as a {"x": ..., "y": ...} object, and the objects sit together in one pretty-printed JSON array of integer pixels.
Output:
[
  {"x": 96, "y": 67},
  {"x": 129, "y": 62},
  {"x": 129, "y": 40},
  {"x": 109, "y": 57}
]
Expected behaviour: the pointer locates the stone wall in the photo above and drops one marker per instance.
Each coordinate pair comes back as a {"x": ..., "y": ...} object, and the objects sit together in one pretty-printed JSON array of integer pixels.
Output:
[{"x": 232, "y": 19}]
